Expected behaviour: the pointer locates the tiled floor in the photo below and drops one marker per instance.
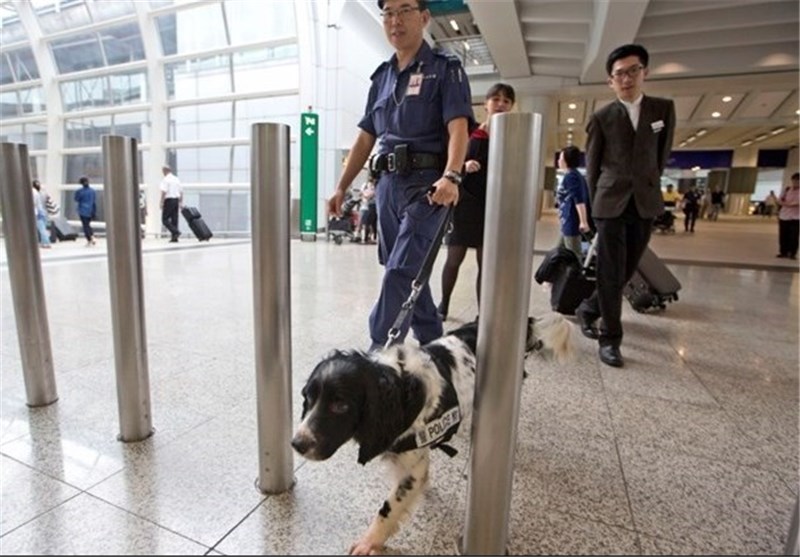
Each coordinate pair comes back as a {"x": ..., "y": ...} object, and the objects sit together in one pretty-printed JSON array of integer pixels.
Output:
[{"x": 692, "y": 448}]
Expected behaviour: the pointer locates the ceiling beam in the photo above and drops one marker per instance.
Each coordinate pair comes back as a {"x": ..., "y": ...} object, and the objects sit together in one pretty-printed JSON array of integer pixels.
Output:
[
  {"x": 615, "y": 24},
  {"x": 500, "y": 27}
]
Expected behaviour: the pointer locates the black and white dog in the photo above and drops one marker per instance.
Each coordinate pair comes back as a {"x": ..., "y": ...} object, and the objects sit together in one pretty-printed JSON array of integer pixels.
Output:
[{"x": 399, "y": 403}]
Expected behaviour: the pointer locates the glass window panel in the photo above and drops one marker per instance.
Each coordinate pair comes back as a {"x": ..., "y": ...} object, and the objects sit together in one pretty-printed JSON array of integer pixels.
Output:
[
  {"x": 6, "y": 76},
  {"x": 167, "y": 32},
  {"x": 241, "y": 164},
  {"x": 281, "y": 110},
  {"x": 102, "y": 11},
  {"x": 128, "y": 88},
  {"x": 202, "y": 164},
  {"x": 239, "y": 214},
  {"x": 85, "y": 164},
  {"x": 67, "y": 16},
  {"x": 36, "y": 133},
  {"x": 206, "y": 17},
  {"x": 38, "y": 165},
  {"x": 24, "y": 64},
  {"x": 206, "y": 121},
  {"x": 86, "y": 132},
  {"x": 84, "y": 93},
  {"x": 199, "y": 77},
  {"x": 133, "y": 124},
  {"x": 76, "y": 53},
  {"x": 255, "y": 20},
  {"x": 252, "y": 76},
  {"x": 32, "y": 100},
  {"x": 122, "y": 44},
  {"x": 214, "y": 205},
  {"x": 12, "y": 133},
  {"x": 9, "y": 104},
  {"x": 11, "y": 30}
]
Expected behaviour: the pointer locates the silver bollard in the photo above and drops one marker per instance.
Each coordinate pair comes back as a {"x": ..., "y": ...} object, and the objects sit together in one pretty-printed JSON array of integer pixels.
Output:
[
  {"x": 269, "y": 176},
  {"x": 25, "y": 274},
  {"x": 505, "y": 290},
  {"x": 121, "y": 190}
]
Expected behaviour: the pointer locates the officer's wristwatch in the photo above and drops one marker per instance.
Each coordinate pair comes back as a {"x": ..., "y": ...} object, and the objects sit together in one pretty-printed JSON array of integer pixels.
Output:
[{"x": 453, "y": 176}]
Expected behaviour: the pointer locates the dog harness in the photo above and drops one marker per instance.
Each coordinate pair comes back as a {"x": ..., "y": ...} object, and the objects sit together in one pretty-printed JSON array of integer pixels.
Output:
[{"x": 439, "y": 428}]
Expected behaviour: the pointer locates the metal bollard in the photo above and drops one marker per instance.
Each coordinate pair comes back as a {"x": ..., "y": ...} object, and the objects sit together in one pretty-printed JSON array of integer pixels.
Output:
[
  {"x": 269, "y": 176},
  {"x": 121, "y": 190},
  {"x": 505, "y": 290},
  {"x": 25, "y": 274}
]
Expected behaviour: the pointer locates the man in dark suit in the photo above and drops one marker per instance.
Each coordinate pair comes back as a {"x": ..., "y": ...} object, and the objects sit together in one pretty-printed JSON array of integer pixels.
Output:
[{"x": 627, "y": 147}]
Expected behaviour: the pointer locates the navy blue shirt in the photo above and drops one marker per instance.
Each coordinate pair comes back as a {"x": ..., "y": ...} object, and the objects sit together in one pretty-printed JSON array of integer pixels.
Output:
[
  {"x": 85, "y": 198},
  {"x": 414, "y": 106},
  {"x": 571, "y": 191}
]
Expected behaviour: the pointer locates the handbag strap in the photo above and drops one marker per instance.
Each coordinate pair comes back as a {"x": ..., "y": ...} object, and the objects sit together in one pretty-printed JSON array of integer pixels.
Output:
[{"x": 421, "y": 279}]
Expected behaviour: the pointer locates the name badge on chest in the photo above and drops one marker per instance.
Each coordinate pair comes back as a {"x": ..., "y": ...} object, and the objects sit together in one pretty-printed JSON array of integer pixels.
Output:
[{"x": 414, "y": 84}]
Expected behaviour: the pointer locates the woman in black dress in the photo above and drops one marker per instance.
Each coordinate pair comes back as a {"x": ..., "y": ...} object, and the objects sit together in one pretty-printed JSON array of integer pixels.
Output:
[{"x": 468, "y": 216}]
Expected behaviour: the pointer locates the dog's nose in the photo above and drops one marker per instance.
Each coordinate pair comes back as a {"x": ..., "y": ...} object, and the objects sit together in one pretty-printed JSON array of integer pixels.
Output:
[{"x": 301, "y": 444}]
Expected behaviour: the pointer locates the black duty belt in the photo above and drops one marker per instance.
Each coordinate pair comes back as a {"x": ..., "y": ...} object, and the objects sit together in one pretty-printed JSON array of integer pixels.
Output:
[{"x": 400, "y": 160}]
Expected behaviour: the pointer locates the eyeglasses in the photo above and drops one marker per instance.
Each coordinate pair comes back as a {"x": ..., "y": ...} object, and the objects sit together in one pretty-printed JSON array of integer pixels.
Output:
[
  {"x": 631, "y": 72},
  {"x": 400, "y": 13}
]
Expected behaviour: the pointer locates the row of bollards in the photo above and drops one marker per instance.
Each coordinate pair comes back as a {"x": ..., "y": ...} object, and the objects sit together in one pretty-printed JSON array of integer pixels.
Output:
[{"x": 508, "y": 257}]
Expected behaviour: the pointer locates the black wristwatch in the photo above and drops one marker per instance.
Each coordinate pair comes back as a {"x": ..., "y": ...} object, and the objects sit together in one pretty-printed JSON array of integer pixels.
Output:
[{"x": 453, "y": 176}]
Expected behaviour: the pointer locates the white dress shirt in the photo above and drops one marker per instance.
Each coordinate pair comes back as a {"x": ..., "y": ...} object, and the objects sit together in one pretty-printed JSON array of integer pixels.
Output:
[{"x": 634, "y": 109}]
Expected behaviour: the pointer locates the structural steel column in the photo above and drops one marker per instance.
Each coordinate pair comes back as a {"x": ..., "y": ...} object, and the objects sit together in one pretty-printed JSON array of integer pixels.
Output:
[
  {"x": 505, "y": 291},
  {"x": 25, "y": 274},
  {"x": 121, "y": 191},
  {"x": 269, "y": 176}
]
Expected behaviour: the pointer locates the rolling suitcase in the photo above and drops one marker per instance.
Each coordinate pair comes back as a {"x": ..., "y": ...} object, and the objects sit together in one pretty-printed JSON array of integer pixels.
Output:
[
  {"x": 652, "y": 284},
  {"x": 572, "y": 281},
  {"x": 62, "y": 230},
  {"x": 195, "y": 221}
]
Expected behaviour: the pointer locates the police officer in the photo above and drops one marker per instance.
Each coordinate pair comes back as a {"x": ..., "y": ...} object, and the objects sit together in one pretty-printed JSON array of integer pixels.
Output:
[{"x": 419, "y": 112}]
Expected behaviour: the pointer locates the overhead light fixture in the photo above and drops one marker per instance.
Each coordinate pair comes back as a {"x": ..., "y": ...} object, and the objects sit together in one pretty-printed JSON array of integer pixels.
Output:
[
  {"x": 746, "y": 143},
  {"x": 475, "y": 61},
  {"x": 761, "y": 137},
  {"x": 683, "y": 144},
  {"x": 454, "y": 25},
  {"x": 778, "y": 130},
  {"x": 727, "y": 99},
  {"x": 797, "y": 111},
  {"x": 570, "y": 120},
  {"x": 572, "y": 106},
  {"x": 690, "y": 139},
  {"x": 716, "y": 114},
  {"x": 702, "y": 132},
  {"x": 695, "y": 168},
  {"x": 466, "y": 45}
]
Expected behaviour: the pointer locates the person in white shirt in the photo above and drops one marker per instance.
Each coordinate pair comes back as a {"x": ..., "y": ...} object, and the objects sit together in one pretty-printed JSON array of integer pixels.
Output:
[{"x": 171, "y": 202}]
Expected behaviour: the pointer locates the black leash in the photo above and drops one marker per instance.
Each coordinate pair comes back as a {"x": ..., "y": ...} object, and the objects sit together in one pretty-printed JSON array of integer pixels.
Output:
[{"x": 422, "y": 277}]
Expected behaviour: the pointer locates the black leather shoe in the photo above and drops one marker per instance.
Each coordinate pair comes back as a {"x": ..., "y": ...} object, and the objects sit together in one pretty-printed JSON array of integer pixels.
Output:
[
  {"x": 611, "y": 356},
  {"x": 587, "y": 326}
]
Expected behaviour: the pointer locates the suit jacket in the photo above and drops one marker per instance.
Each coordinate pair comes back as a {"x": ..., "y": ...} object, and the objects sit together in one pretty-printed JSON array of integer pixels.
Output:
[{"x": 621, "y": 162}]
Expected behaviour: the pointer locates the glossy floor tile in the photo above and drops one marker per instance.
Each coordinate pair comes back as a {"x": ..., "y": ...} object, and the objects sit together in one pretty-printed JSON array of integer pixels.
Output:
[{"x": 691, "y": 448}]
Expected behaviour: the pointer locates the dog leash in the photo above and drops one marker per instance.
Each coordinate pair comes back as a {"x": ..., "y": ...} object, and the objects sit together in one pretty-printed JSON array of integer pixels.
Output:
[{"x": 421, "y": 279}]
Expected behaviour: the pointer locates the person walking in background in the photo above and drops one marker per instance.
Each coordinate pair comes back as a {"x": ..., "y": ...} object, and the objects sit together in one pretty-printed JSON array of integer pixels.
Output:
[
  {"x": 368, "y": 215},
  {"x": 86, "y": 198},
  {"x": 771, "y": 204},
  {"x": 468, "y": 215},
  {"x": 789, "y": 219},
  {"x": 628, "y": 144},
  {"x": 572, "y": 195},
  {"x": 40, "y": 213},
  {"x": 171, "y": 202},
  {"x": 691, "y": 208},
  {"x": 419, "y": 111},
  {"x": 717, "y": 203}
]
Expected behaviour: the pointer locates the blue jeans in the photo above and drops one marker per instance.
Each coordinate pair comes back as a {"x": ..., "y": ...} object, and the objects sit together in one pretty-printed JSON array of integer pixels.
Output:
[{"x": 41, "y": 226}]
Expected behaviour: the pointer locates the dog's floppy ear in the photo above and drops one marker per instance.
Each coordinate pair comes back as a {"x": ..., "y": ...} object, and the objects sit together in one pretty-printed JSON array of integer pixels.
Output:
[{"x": 391, "y": 404}]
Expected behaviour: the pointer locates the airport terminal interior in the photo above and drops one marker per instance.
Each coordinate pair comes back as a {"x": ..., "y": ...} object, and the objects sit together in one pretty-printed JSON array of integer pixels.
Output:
[{"x": 690, "y": 448}]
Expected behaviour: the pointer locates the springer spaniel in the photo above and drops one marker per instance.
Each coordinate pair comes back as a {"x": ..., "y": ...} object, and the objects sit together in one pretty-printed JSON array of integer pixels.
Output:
[{"x": 399, "y": 403}]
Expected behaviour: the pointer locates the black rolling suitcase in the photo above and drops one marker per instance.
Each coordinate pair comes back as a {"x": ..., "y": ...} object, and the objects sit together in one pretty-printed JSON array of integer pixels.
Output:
[
  {"x": 572, "y": 282},
  {"x": 652, "y": 284},
  {"x": 195, "y": 221},
  {"x": 62, "y": 230}
]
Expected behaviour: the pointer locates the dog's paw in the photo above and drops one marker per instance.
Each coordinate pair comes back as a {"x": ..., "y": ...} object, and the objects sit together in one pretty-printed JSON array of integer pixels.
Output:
[{"x": 365, "y": 546}]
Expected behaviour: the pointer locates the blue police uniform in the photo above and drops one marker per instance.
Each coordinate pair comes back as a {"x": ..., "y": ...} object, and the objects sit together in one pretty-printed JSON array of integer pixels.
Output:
[{"x": 411, "y": 107}]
